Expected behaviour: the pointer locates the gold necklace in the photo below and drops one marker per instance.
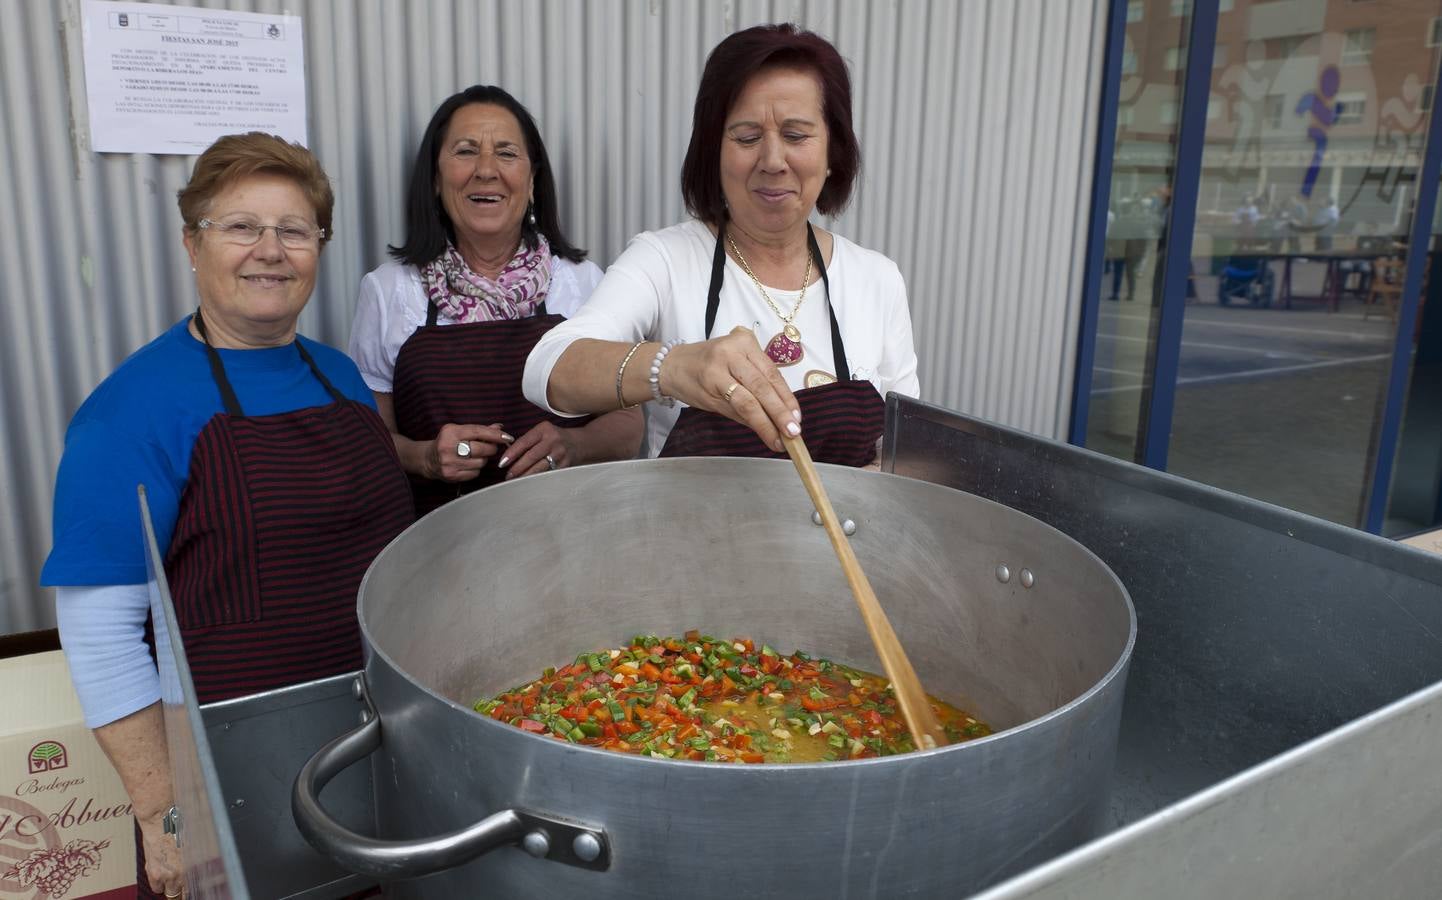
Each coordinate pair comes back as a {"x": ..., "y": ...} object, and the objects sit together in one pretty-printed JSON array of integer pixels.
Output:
[{"x": 784, "y": 348}]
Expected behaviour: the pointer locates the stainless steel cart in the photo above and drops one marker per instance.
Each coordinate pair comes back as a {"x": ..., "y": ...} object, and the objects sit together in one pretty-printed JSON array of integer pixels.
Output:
[{"x": 1281, "y": 734}]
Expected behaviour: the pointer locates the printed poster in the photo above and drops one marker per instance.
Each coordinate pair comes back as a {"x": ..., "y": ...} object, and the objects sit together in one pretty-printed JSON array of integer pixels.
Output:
[{"x": 172, "y": 79}]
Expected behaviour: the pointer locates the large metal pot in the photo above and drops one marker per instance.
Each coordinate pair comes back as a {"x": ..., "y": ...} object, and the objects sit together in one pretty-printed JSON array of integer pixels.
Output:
[{"x": 998, "y": 612}]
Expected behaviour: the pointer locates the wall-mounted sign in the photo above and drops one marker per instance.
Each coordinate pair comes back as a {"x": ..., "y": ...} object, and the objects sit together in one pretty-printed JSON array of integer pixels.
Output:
[{"x": 172, "y": 79}]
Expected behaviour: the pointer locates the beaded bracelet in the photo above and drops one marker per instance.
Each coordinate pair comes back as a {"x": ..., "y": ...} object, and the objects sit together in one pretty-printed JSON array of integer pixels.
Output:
[
  {"x": 655, "y": 378},
  {"x": 621, "y": 374}
]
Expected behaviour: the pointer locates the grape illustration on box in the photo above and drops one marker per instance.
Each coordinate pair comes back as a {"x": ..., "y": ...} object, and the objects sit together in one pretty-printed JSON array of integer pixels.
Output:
[{"x": 55, "y": 869}]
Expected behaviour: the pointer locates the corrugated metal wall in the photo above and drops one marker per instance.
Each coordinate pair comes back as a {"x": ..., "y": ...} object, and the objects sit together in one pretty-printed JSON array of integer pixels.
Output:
[{"x": 976, "y": 120}]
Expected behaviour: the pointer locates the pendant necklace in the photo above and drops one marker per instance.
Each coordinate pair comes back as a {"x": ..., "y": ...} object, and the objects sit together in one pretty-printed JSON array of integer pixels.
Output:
[{"x": 784, "y": 348}]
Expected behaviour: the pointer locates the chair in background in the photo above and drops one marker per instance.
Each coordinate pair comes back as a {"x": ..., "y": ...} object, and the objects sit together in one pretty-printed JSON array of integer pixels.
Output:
[{"x": 1388, "y": 273}]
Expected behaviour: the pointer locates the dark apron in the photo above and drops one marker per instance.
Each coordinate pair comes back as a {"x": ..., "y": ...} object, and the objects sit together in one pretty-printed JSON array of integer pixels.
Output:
[
  {"x": 841, "y": 421},
  {"x": 468, "y": 374},
  {"x": 280, "y": 517}
]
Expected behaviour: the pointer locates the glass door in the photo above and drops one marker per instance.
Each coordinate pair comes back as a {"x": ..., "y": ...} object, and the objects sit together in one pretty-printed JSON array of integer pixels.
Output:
[{"x": 1314, "y": 142}]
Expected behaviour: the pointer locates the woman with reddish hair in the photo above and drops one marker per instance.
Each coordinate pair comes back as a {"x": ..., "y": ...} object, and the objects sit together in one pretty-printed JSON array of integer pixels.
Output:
[
  {"x": 270, "y": 479},
  {"x": 748, "y": 316}
]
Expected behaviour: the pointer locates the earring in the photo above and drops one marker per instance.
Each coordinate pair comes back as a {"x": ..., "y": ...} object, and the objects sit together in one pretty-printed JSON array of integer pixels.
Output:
[{"x": 530, "y": 215}]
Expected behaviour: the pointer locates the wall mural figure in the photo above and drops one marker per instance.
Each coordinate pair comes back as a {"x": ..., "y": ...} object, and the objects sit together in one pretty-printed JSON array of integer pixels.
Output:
[
  {"x": 1319, "y": 105},
  {"x": 1397, "y": 148}
]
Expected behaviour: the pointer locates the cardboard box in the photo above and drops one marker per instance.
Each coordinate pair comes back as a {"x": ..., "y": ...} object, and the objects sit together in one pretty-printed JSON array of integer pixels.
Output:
[
  {"x": 66, "y": 829},
  {"x": 1429, "y": 540}
]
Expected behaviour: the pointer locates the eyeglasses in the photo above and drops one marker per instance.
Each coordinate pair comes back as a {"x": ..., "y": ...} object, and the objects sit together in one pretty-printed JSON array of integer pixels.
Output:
[{"x": 247, "y": 234}]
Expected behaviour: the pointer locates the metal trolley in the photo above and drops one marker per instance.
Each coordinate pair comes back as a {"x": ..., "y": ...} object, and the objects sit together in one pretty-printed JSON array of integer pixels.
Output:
[{"x": 1281, "y": 733}]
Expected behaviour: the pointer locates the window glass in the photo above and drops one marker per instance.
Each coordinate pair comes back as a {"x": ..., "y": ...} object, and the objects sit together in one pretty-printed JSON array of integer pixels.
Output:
[
  {"x": 1357, "y": 51},
  {"x": 1304, "y": 208}
]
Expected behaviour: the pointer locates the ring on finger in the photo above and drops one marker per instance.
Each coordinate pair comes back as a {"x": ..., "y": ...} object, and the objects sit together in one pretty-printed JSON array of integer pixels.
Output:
[
  {"x": 551, "y": 461},
  {"x": 731, "y": 390},
  {"x": 463, "y": 449}
]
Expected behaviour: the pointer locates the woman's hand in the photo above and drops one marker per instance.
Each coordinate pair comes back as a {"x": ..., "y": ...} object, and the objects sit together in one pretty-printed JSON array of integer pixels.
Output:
[
  {"x": 459, "y": 452},
  {"x": 162, "y": 856},
  {"x": 541, "y": 449},
  {"x": 732, "y": 376}
]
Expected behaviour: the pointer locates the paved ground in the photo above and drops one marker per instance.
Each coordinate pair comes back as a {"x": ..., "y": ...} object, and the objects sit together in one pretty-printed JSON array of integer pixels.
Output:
[{"x": 1276, "y": 404}]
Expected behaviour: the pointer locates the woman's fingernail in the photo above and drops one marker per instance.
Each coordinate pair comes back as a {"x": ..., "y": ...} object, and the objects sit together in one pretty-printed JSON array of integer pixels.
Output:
[
  {"x": 793, "y": 429},
  {"x": 507, "y": 438},
  {"x": 505, "y": 461},
  {"x": 796, "y": 414}
]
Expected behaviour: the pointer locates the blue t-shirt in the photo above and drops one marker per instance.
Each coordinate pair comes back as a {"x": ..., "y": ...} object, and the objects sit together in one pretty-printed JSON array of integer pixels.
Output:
[{"x": 138, "y": 427}]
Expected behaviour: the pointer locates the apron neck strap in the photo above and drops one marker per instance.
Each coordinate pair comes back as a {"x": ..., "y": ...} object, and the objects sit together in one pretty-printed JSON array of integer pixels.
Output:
[
  {"x": 718, "y": 274},
  {"x": 222, "y": 382}
]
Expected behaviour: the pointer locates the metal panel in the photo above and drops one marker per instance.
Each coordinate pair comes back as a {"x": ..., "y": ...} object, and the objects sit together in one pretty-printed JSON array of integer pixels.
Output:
[
  {"x": 1258, "y": 628},
  {"x": 1354, "y": 813},
  {"x": 977, "y": 121},
  {"x": 258, "y": 745},
  {"x": 202, "y": 830}
]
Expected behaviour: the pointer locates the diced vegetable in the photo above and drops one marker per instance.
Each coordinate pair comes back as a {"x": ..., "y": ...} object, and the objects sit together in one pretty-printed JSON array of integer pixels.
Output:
[{"x": 664, "y": 697}]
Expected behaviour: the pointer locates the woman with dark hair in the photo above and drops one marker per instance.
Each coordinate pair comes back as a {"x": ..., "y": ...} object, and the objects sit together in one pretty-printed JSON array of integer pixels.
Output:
[
  {"x": 441, "y": 333},
  {"x": 799, "y": 309}
]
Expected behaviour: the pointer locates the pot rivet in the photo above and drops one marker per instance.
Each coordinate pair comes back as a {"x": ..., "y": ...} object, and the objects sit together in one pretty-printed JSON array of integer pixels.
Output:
[
  {"x": 365, "y": 716},
  {"x": 848, "y": 526},
  {"x": 356, "y": 690},
  {"x": 237, "y": 803},
  {"x": 1003, "y": 574},
  {"x": 1027, "y": 579},
  {"x": 587, "y": 847},
  {"x": 537, "y": 843}
]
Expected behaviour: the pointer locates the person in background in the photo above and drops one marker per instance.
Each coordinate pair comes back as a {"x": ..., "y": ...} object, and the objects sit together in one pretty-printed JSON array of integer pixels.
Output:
[
  {"x": 1246, "y": 216},
  {"x": 442, "y": 332},
  {"x": 1324, "y": 221},
  {"x": 730, "y": 312},
  {"x": 1294, "y": 220},
  {"x": 270, "y": 479}
]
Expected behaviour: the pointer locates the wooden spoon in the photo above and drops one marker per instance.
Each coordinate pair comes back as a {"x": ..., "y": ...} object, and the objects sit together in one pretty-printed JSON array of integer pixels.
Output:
[{"x": 915, "y": 710}]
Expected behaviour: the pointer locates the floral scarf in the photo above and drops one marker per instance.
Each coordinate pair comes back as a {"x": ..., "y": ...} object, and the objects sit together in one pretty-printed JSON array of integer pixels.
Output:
[{"x": 466, "y": 296}]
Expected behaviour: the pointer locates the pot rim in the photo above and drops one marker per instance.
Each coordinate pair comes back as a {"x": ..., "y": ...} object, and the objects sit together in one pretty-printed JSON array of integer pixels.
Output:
[{"x": 1117, "y": 668}]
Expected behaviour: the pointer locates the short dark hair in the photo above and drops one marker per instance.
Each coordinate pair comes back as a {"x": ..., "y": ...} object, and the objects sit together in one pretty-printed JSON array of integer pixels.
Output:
[
  {"x": 734, "y": 62},
  {"x": 429, "y": 229},
  {"x": 236, "y": 157}
]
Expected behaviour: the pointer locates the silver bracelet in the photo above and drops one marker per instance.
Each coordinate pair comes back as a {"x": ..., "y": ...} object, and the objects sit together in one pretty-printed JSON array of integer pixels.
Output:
[{"x": 655, "y": 377}]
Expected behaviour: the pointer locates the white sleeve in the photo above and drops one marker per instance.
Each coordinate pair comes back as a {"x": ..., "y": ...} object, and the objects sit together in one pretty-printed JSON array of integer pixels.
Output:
[
  {"x": 898, "y": 353},
  {"x": 103, "y": 632},
  {"x": 368, "y": 345},
  {"x": 625, "y": 306},
  {"x": 571, "y": 285},
  {"x": 589, "y": 276}
]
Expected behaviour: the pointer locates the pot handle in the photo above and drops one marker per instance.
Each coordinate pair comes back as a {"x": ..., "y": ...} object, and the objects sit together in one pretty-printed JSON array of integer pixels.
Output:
[{"x": 541, "y": 836}]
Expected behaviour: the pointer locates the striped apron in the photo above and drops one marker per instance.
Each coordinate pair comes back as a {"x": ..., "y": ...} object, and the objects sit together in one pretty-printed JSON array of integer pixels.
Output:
[
  {"x": 280, "y": 517},
  {"x": 842, "y": 421},
  {"x": 468, "y": 374}
]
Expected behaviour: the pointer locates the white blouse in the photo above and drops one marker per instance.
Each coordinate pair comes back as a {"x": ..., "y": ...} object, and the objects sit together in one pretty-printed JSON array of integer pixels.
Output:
[{"x": 656, "y": 290}]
